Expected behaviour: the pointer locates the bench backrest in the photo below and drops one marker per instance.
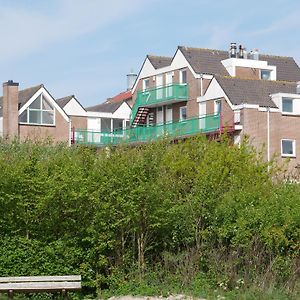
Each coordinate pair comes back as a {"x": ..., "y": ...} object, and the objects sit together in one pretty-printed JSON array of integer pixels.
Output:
[{"x": 40, "y": 283}]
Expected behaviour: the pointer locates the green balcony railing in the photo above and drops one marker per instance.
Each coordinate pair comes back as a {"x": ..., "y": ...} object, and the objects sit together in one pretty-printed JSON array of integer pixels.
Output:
[
  {"x": 203, "y": 124},
  {"x": 160, "y": 95}
]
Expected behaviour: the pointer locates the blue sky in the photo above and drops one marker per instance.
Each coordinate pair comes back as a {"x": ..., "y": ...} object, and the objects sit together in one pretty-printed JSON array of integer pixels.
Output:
[{"x": 86, "y": 47}]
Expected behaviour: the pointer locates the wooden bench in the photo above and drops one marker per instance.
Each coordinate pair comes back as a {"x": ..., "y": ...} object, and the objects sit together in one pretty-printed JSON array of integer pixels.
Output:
[{"x": 36, "y": 284}]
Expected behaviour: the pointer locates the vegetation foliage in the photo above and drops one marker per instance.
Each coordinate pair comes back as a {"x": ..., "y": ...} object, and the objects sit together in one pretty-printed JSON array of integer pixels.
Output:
[{"x": 202, "y": 217}]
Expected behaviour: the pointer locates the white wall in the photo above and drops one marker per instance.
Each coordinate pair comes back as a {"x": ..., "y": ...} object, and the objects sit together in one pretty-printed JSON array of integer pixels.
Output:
[
  {"x": 213, "y": 91},
  {"x": 73, "y": 108},
  {"x": 231, "y": 63},
  {"x": 277, "y": 98},
  {"x": 123, "y": 112}
]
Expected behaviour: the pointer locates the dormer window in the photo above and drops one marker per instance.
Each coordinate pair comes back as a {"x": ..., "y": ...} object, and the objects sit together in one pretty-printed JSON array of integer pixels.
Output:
[
  {"x": 287, "y": 105},
  {"x": 39, "y": 112},
  {"x": 265, "y": 74}
]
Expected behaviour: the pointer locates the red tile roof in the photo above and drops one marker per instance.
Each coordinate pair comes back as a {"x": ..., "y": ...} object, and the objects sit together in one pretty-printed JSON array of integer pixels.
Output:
[{"x": 120, "y": 97}]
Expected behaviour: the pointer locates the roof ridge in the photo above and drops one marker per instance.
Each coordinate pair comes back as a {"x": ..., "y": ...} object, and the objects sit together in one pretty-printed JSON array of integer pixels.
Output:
[
  {"x": 70, "y": 96},
  {"x": 205, "y": 49},
  {"x": 163, "y": 56},
  {"x": 219, "y": 50},
  {"x": 32, "y": 87},
  {"x": 257, "y": 80}
]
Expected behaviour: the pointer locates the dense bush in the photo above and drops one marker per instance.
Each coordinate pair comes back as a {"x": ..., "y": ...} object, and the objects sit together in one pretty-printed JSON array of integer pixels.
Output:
[{"x": 132, "y": 219}]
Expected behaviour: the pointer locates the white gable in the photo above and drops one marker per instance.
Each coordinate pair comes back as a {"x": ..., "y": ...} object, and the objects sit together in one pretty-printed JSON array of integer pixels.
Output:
[
  {"x": 49, "y": 98},
  {"x": 123, "y": 112},
  {"x": 73, "y": 108},
  {"x": 214, "y": 91},
  {"x": 179, "y": 61}
]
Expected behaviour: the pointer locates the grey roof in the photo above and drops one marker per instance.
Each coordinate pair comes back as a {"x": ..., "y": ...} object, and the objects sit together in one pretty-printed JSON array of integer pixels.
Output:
[
  {"x": 62, "y": 102},
  {"x": 159, "y": 61},
  {"x": 248, "y": 91},
  {"x": 105, "y": 107},
  {"x": 205, "y": 60},
  {"x": 209, "y": 61},
  {"x": 24, "y": 96}
]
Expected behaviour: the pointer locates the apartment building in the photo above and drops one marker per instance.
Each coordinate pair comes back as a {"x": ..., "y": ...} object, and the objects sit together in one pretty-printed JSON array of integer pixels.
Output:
[{"x": 206, "y": 91}]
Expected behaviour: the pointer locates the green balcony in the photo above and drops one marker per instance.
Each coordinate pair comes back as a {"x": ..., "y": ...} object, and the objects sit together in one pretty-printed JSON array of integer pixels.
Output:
[
  {"x": 203, "y": 124},
  {"x": 159, "y": 96}
]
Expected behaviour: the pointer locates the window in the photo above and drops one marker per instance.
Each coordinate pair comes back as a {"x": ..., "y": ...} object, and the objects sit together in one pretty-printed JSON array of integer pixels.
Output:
[
  {"x": 287, "y": 105},
  {"x": 105, "y": 125},
  {"x": 218, "y": 106},
  {"x": 146, "y": 84},
  {"x": 288, "y": 148},
  {"x": 150, "y": 119},
  {"x": 182, "y": 113},
  {"x": 183, "y": 76},
  {"x": 39, "y": 112},
  {"x": 117, "y": 124},
  {"x": 265, "y": 74}
]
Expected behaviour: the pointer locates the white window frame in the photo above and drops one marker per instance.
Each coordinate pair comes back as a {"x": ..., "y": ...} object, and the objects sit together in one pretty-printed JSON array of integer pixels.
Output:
[
  {"x": 144, "y": 84},
  {"x": 28, "y": 109},
  {"x": 294, "y": 148},
  {"x": 180, "y": 113},
  {"x": 216, "y": 105},
  {"x": 181, "y": 77}
]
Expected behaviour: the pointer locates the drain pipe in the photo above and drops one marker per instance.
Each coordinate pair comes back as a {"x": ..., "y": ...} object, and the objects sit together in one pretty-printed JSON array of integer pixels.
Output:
[
  {"x": 201, "y": 85},
  {"x": 268, "y": 135}
]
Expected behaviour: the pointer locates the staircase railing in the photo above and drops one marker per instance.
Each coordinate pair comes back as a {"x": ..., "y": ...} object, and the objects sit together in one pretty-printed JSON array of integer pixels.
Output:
[{"x": 159, "y": 95}]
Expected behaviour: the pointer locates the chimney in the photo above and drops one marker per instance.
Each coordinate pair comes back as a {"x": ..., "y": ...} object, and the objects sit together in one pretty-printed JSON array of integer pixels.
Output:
[
  {"x": 232, "y": 50},
  {"x": 131, "y": 78},
  {"x": 10, "y": 109},
  {"x": 298, "y": 87},
  {"x": 241, "y": 52},
  {"x": 254, "y": 54},
  {"x": 245, "y": 53}
]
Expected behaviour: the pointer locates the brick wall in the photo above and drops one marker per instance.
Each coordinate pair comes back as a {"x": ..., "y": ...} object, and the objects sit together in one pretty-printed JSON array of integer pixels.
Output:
[
  {"x": 79, "y": 122},
  {"x": 247, "y": 73},
  {"x": 58, "y": 133},
  {"x": 281, "y": 127}
]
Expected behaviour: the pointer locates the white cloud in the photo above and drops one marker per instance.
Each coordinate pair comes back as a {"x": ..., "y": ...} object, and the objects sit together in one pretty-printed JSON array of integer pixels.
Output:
[{"x": 26, "y": 30}]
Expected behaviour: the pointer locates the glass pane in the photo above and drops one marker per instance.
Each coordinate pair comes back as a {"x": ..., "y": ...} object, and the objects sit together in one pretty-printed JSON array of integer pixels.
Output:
[
  {"x": 218, "y": 107},
  {"x": 48, "y": 117},
  {"x": 183, "y": 115},
  {"x": 36, "y": 104},
  {"x": 146, "y": 84},
  {"x": 45, "y": 104},
  {"x": 287, "y": 105},
  {"x": 183, "y": 77},
  {"x": 117, "y": 124},
  {"x": 287, "y": 147},
  {"x": 265, "y": 74},
  {"x": 105, "y": 125},
  {"x": 23, "y": 117},
  {"x": 35, "y": 117}
]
